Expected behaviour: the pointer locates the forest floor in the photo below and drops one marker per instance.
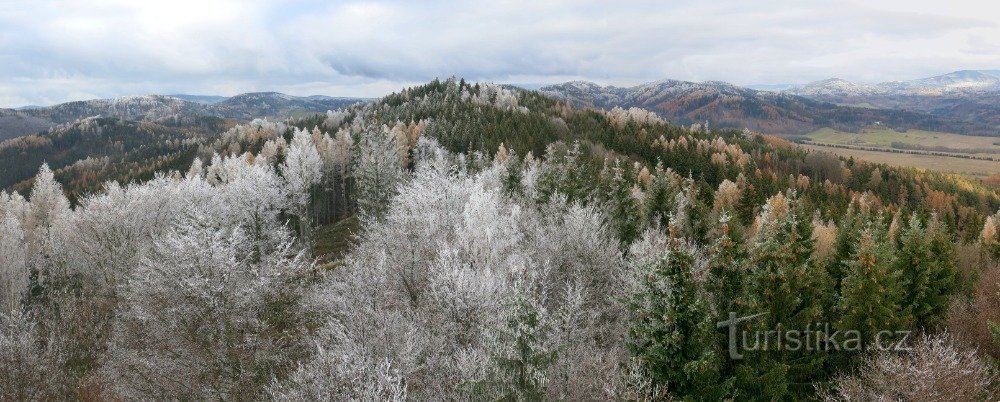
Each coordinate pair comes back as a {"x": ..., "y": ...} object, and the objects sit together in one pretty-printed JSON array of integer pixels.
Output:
[{"x": 333, "y": 241}]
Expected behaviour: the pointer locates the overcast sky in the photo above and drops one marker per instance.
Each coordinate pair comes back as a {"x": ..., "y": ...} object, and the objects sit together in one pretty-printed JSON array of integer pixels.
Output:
[{"x": 53, "y": 52}]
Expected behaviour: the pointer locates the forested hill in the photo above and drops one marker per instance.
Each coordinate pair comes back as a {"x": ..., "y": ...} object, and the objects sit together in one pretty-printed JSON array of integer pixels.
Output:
[
  {"x": 167, "y": 109},
  {"x": 479, "y": 118},
  {"x": 460, "y": 241},
  {"x": 730, "y": 106}
]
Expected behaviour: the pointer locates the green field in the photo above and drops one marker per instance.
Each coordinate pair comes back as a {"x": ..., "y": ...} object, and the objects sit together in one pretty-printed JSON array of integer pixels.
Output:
[{"x": 884, "y": 137}]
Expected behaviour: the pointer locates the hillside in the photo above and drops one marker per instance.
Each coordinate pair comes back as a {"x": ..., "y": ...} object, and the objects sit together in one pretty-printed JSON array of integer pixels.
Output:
[
  {"x": 730, "y": 106},
  {"x": 447, "y": 239},
  {"x": 90, "y": 151},
  {"x": 632, "y": 201},
  {"x": 183, "y": 109},
  {"x": 273, "y": 105}
]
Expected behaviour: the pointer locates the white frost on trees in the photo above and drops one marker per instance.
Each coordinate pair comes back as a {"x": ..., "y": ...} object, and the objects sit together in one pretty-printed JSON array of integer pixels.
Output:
[
  {"x": 437, "y": 291},
  {"x": 13, "y": 270},
  {"x": 192, "y": 316},
  {"x": 377, "y": 171},
  {"x": 302, "y": 169}
]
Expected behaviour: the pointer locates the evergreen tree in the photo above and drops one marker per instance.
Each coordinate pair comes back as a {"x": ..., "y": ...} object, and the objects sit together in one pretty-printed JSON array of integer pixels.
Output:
[
  {"x": 671, "y": 330},
  {"x": 728, "y": 270},
  {"x": 847, "y": 237},
  {"x": 932, "y": 280},
  {"x": 624, "y": 208},
  {"x": 521, "y": 352},
  {"x": 791, "y": 290},
  {"x": 872, "y": 293}
]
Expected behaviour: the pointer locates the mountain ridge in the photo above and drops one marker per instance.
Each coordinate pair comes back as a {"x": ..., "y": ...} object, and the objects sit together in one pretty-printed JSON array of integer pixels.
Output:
[
  {"x": 25, "y": 121},
  {"x": 966, "y": 95},
  {"x": 733, "y": 106}
]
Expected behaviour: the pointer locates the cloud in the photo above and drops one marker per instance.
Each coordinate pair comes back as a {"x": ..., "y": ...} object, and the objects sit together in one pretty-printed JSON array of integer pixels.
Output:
[{"x": 58, "y": 51}]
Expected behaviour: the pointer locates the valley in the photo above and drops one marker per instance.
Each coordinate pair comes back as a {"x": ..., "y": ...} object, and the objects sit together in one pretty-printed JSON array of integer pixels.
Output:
[{"x": 971, "y": 156}]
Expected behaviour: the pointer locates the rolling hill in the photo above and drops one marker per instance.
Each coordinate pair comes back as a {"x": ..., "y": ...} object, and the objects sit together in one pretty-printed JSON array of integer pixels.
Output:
[
  {"x": 732, "y": 106},
  {"x": 18, "y": 122}
]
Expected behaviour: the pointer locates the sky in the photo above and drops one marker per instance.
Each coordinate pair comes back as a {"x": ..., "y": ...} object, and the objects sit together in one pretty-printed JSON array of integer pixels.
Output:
[{"x": 52, "y": 51}]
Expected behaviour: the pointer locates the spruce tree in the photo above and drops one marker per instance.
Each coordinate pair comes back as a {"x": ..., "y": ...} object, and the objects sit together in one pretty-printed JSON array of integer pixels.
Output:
[
  {"x": 872, "y": 292},
  {"x": 932, "y": 281},
  {"x": 671, "y": 329},
  {"x": 728, "y": 270},
  {"x": 791, "y": 290}
]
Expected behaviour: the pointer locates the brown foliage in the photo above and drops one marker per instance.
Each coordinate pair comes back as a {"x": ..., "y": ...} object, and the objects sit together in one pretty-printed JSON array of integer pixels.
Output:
[
  {"x": 935, "y": 369},
  {"x": 969, "y": 318}
]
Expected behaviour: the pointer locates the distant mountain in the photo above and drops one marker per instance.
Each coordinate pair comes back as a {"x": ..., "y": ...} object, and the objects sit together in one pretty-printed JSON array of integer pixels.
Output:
[
  {"x": 17, "y": 122},
  {"x": 727, "y": 105},
  {"x": 272, "y": 104},
  {"x": 968, "y": 95},
  {"x": 770, "y": 87},
  {"x": 203, "y": 99},
  {"x": 833, "y": 88}
]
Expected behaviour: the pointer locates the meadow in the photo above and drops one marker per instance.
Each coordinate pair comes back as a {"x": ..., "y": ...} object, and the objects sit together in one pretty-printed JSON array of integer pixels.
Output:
[
  {"x": 885, "y": 137},
  {"x": 975, "y": 168}
]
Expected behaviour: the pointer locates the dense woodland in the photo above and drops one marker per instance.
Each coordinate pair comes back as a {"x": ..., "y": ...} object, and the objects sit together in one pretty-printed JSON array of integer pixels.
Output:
[{"x": 459, "y": 241}]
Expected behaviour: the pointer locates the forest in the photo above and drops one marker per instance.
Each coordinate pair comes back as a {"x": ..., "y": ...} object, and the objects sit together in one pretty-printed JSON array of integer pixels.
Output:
[{"x": 470, "y": 241}]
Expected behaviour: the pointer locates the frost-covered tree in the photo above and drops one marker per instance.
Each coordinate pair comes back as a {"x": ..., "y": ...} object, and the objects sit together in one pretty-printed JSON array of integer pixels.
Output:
[
  {"x": 25, "y": 370},
  {"x": 671, "y": 327},
  {"x": 302, "y": 170},
  {"x": 376, "y": 171},
  {"x": 934, "y": 368},
  {"x": 45, "y": 224},
  {"x": 13, "y": 268},
  {"x": 200, "y": 318},
  {"x": 428, "y": 286}
]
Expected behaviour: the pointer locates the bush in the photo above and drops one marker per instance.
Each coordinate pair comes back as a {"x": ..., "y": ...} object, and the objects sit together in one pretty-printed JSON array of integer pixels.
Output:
[{"x": 934, "y": 369}]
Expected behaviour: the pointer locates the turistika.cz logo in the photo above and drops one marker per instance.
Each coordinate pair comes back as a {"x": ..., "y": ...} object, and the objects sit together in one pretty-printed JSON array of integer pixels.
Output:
[{"x": 813, "y": 338}]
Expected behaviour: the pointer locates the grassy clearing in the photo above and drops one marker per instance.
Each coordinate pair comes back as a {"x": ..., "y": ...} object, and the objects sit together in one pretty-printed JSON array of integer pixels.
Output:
[
  {"x": 884, "y": 137},
  {"x": 962, "y": 166},
  {"x": 333, "y": 241}
]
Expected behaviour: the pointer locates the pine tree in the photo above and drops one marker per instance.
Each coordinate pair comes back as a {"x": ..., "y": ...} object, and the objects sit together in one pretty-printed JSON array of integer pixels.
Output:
[
  {"x": 728, "y": 270},
  {"x": 847, "y": 237},
  {"x": 521, "y": 352},
  {"x": 624, "y": 208}
]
